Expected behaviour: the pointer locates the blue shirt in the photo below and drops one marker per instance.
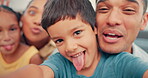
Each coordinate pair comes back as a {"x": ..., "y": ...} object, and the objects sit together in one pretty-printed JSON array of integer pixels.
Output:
[{"x": 123, "y": 65}]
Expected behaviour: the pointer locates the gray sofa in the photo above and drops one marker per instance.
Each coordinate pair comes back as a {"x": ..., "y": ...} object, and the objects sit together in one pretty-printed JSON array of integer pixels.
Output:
[{"x": 142, "y": 40}]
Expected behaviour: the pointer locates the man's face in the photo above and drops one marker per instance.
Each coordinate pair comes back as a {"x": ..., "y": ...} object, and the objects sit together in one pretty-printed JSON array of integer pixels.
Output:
[
  {"x": 76, "y": 41},
  {"x": 118, "y": 24}
]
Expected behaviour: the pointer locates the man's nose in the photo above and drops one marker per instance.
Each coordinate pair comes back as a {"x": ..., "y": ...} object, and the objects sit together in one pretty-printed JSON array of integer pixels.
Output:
[{"x": 114, "y": 18}]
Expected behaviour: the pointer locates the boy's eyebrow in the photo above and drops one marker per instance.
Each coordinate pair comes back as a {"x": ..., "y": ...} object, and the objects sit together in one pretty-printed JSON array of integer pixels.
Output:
[
  {"x": 80, "y": 26},
  {"x": 70, "y": 30}
]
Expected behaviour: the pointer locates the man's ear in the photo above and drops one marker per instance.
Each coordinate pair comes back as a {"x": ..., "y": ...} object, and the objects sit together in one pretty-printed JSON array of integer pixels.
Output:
[
  {"x": 95, "y": 30},
  {"x": 144, "y": 21}
]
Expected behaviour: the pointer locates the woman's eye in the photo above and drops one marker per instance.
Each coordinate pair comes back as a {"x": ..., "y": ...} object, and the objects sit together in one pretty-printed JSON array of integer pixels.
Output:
[
  {"x": 58, "y": 41},
  {"x": 31, "y": 12},
  {"x": 77, "y": 32}
]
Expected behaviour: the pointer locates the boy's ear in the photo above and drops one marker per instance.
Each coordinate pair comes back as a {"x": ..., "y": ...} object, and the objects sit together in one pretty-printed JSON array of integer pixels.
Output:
[{"x": 144, "y": 21}]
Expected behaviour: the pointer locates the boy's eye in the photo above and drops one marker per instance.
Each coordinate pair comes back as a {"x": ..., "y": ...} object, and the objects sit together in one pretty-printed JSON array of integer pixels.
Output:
[
  {"x": 31, "y": 12},
  {"x": 58, "y": 41},
  {"x": 77, "y": 32}
]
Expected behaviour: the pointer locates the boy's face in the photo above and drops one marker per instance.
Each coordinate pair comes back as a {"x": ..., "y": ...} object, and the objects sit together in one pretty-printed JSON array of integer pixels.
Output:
[
  {"x": 118, "y": 24},
  {"x": 9, "y": 33},
  {"x": 76, "y": 41},
  {"x": 31, "y": 20}
]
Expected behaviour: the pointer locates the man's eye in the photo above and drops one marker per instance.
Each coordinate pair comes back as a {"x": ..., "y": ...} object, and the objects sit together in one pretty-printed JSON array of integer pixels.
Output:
[
  {"x": 31, "y": 12},
  {"x": 129, "y": 11},
  {"x": 102, "y": 9},
  {"x": 77, "y": 32},
  {"x": 58, "y": 41}
]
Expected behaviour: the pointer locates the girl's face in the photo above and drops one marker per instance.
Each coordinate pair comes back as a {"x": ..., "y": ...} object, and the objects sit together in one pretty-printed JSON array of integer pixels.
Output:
[
  {"x": 76, "y": 41},
  {"x": 31, "y": 20},
  {"x": 9, "y": 33}
]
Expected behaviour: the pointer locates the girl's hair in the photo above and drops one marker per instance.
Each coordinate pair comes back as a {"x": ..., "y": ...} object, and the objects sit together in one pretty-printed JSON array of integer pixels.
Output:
[{"x": 7, "y": 9}]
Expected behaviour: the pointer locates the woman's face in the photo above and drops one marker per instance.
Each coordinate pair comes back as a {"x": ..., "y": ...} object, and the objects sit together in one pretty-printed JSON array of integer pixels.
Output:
[{"x": 31, "y": 20}]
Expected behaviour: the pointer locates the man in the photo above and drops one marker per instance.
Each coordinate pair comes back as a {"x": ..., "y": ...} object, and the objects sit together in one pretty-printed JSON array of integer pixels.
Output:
[{"x": 118, "y": 23}]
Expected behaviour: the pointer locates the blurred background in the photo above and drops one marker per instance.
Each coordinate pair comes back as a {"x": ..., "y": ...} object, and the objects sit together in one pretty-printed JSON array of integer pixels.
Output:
[{"x": 142, "y": 40}]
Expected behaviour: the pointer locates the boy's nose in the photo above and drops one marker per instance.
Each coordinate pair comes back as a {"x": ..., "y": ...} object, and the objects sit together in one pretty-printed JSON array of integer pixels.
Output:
[{"x": 71, "y": 46}]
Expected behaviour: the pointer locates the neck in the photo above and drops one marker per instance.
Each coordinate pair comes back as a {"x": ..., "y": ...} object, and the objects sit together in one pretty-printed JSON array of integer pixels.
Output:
[
  {"x": 39, "y": 44},
  {"x": 90, "y": 70}
]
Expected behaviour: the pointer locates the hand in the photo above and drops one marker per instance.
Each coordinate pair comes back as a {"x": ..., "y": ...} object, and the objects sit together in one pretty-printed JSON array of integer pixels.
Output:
[{"x": 4, "y": 2}]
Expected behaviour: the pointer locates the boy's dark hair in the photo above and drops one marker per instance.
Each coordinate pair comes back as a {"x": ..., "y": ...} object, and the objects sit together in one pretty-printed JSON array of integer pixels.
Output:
[
  {"x": 56, "y": 10},
  {"x": 144, "y": 4},
  {"x": 4, "y": 8}
]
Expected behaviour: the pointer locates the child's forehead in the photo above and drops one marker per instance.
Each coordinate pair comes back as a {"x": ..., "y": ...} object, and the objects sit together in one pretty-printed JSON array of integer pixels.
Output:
[
  {"x": 67, "y": 23},
  {"x": 6, "y": 11},
  {"x": 67, "y": 17}
]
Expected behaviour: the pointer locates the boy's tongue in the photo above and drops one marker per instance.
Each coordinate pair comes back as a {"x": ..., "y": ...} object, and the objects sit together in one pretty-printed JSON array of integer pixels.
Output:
[{"x": 78, "y": 62}]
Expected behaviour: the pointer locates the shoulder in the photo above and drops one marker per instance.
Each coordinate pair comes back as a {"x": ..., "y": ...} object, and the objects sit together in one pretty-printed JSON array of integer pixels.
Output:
[
  {"x": 59, "y": 64},
  {"x": 34, "y": 54},
  {"x": 125, "y": 58},
  {"x": 125, "y": 63},
  {"x": 36, "y": 59},
  {"x": 55, "y": 58}
]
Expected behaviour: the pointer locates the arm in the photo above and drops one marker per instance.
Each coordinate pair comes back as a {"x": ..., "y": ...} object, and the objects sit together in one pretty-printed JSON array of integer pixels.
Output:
[
  {"x": 47, "y": 72},
  {"x": 2, "y": 2},
  {"x": 145, "y": 74},
  {"x": 29, "y": 71},
  {"x": 36, "y": 59}
]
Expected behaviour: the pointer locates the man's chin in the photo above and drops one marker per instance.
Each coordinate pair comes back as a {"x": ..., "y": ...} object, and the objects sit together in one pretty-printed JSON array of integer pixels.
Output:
[{"x": 111, "y": 50}]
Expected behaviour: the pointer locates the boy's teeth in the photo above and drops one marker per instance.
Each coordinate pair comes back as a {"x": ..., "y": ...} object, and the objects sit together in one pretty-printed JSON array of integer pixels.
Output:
[{"x": 77, "y": 54}]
